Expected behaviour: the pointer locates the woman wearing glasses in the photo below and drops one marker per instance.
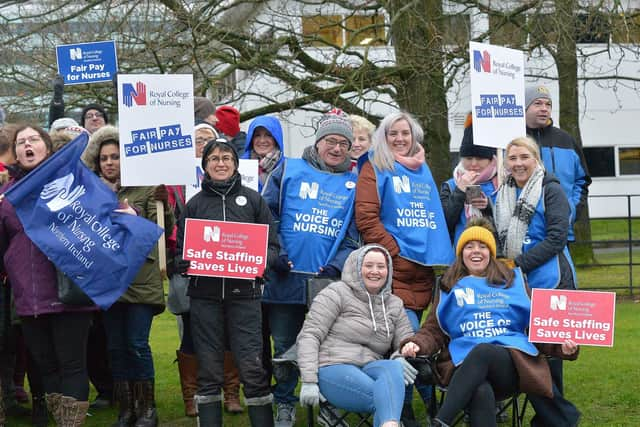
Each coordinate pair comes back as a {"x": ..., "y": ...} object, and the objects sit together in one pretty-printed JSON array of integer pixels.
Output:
[
  {"x": 225, "y": 306},
  {"x": 55, "y": 334},
  {"x": 397, "y": 206}
]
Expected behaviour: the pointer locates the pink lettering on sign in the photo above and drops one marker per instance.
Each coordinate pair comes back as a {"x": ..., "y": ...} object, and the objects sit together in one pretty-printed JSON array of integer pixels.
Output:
[
  {"x": 586, "y": 317},
  {"x": 225, "y": 249}
]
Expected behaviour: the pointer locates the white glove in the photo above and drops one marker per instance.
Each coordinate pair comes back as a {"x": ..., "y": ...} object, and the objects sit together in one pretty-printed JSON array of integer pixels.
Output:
[
  {"x": 310, "y": 394},
  {"x": 408, "y": 372}
]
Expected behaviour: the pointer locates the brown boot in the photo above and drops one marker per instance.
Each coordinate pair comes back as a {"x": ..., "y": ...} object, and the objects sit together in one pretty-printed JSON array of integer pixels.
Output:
[
  {"x": 124, "y": 398},
  {"x": 54, "y": 406},
  {"x": 188, "y": 369},
  {"x": 72, "y": 412},
  {"x": 231, "y": 385}
]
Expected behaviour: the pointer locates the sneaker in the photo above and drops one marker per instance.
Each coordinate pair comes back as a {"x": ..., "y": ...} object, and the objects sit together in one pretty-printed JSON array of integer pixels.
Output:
[
  {"x": 285, "y": 415},
  {"x": 330, "y": 416}
]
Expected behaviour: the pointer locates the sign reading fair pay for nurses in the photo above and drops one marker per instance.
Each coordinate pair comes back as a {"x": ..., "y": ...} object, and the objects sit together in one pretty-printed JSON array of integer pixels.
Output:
[
  {"x": 155, "y": 113},
  {"x": 225, "y": 249}
]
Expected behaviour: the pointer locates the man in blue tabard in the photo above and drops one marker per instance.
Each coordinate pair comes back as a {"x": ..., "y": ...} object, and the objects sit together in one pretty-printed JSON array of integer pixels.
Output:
[{"x": 312, "y": 204}]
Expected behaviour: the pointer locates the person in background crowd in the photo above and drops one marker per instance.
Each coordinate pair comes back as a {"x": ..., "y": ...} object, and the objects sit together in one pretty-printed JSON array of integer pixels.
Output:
[
  {"x": 229, "y": 124},
  {"x": 478, "y": 166},
  {"x": 127, "y": 323},
  {"x": 351, "y": 327},
  {"x": 397, "y": 179},
  {"x": 56, "y": 335},
  {"x": 7, "y": 135},
  {"x": 486, "y": 367},
  {"x": 306, "y": 250},
  {"x": 225, "y": 309},
  {"x": 204, "y": 111},
  {"x": 560, "y": 154},
  {"x": 532, "y": 217},
  {"x": 362, "y": 133},
  {"x": 93, "y": 117},
  {"x": 266, "y": 144}
]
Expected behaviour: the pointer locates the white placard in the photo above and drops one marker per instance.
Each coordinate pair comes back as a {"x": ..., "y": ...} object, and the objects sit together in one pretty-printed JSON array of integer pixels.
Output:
[
  {"x": 497, "y": 94},
  {"x": 248, "y": 169},
  {"x": 156, "y": 128}
]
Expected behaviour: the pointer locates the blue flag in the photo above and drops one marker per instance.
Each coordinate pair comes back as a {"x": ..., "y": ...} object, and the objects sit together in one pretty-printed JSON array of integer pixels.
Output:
[{"x": 68, "y": 212}]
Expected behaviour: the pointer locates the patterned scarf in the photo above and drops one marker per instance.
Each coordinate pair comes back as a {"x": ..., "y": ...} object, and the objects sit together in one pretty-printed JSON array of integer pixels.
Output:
[
  {"x": 513, "y": 215},
  {"x": 267, "y": 163}
]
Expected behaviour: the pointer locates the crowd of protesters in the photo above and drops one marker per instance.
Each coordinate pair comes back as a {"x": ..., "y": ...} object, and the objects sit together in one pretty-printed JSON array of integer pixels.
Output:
[{"x": 384, "y": 228}]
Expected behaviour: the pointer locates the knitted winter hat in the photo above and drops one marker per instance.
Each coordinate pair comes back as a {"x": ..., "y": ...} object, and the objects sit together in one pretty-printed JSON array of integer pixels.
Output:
[
  {"x": 468, "y": 149},
  {"x": 63, "y": 123},
  {"x": 335, "y": 122},
  {"x": 479, "y": 234},
  {"x": 202, "y": 107},
  {"x": 228, "y": 120},
  {"x": 96, "y": 107},
  {"x": 535, "y": 92}
]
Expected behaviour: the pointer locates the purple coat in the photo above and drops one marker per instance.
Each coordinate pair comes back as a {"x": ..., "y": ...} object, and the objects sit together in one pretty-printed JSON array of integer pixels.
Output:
[{"x": 31, "y": 275}]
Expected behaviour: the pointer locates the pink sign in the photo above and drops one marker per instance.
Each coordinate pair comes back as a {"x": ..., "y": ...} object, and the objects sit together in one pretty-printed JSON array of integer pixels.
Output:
[
  {"x": 586, "y": 317},
  {"x": 225, "y": 249}
]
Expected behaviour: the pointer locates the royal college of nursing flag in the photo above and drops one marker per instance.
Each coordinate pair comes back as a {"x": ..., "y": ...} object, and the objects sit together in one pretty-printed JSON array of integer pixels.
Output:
[{"x": 69, "y": 213}]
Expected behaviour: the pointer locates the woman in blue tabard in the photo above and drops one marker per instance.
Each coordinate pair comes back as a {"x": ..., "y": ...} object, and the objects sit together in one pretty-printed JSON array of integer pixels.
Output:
[
  {"x": 485, "y": 345},
  {"x": 532, "y": 215},
  {"x": 477, "y": 166},
  {"x": 409, "y": 224}
]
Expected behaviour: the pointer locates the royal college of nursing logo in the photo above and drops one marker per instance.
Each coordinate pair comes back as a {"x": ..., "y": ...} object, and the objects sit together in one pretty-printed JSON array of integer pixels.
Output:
[
  {"x": 482, "y": 61},
  {"x": 309, "y": 190},
  {"x": 61, "y": 193},
  {"x": 464, "y": 296},
  {"x": 131, "y": 94}
]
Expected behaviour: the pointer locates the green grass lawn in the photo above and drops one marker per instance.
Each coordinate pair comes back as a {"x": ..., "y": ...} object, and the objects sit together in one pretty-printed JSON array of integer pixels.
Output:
[{"x": 604, "y": 382}]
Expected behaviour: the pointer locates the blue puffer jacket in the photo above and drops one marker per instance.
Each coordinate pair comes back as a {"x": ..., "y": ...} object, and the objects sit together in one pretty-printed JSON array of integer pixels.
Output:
[
  {"x": 31, "y": 274},
  {"x": 563, "y": 158}
]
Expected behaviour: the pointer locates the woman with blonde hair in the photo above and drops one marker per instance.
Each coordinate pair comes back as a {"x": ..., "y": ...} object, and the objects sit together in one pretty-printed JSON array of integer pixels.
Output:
[
  {"x": 362, "y": 133},
  {"x": 410, "y": 223}
]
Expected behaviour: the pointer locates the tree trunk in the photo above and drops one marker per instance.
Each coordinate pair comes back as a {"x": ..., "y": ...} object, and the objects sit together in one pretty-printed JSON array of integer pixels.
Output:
[
  {"x": 417, "y": 41},
  {"x": 567, "y": 64}
]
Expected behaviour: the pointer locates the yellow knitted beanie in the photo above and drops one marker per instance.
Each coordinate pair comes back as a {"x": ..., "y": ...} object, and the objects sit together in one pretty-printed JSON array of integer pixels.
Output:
[{"x": 479, "y": 234}]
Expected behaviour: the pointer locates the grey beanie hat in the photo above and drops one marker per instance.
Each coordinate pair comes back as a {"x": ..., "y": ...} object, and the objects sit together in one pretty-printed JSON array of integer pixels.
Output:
[
  {"x": 535, "y": 92},
  {"x": 335, "y": 122}
]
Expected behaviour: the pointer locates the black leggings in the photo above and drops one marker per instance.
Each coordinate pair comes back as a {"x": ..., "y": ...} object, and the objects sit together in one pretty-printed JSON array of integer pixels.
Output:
[{"x": 486, "y": 375}]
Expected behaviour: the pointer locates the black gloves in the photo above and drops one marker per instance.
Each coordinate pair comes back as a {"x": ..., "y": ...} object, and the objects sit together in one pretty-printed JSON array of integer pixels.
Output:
[
  {"x": 282, "y": 264},
  {"x": 329, "y": 271},
  {"x": 58, "y": 88},
  {"x": 181, "y": 265}
]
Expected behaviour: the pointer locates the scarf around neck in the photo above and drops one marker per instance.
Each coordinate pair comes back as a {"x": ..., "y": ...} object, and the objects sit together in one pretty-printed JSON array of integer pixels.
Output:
[
  {"x": 513, "y": 214},
  {"x": 413, "y": 162},
  {"x": 310, "y": 154}
]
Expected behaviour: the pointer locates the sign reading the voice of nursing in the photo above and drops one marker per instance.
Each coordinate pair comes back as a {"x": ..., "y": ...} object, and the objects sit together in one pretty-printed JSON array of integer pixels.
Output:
[
  {"x": 87, "y": 62},
  {"x": 497, "y": 94},
  {"x": 156, "y": 124},
  {"x": 248, "y": 169},
  {"x": 586, "y": 317},
  {"x": 225, "y": 249}
]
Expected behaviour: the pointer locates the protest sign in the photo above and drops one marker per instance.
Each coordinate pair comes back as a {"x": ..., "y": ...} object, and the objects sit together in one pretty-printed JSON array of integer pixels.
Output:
[
  {"x": 69, "y": 214},
  {"x": 156, "y": 125},
  {"x": 497, "y": 94},
  {"x": 87, "y": 62},
  {"x": 248, "y": 169},
  {"x": 225, "y": 249},
  {"x": 586, "y": 317}
]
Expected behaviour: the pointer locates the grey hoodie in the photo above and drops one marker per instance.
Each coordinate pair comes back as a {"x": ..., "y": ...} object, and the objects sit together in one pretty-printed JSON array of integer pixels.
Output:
[{"x": 348, "y": 325}]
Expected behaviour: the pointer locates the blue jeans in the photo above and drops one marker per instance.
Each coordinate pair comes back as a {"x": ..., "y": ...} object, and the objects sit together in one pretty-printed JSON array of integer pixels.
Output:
[
  {"x": 285, "y": 321},
  {"x": 377, "y": 387},
  {"x": 424, "y": 389},
  {"x": 128, "y": 327}
]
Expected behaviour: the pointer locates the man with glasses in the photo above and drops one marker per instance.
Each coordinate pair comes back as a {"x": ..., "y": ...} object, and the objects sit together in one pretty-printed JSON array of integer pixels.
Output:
[
  {"x": 311, "y": 200},
  {"x": 93, "y": 117}
]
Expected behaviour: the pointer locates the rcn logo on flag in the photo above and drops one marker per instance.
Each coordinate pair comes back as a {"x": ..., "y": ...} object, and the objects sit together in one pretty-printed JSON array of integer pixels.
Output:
[
  {"x": 131, "y": 94},
  {"x": 60, "y": 192},
  {"x": 482, "y": 61}
]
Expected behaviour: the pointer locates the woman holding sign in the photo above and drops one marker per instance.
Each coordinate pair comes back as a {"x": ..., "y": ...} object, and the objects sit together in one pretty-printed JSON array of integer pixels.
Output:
[
  {"x": 532, "y": 216},
  {"x": 55, "y": 334},
  {"x": 410, "y": 223},
  {"x": 227, "y": 308},
  {"x": 128, "y": 321},
  {"x": 478, "y": 324}
]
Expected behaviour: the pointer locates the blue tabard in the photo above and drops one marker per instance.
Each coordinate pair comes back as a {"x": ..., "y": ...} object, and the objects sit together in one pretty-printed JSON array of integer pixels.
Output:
[
  {"x": 475, "y": 312},
  {"x": 411, "y": 212},
  {"x": 547, "y": 275},
  {"x": 315, "y": 210},
  {"x": 487, "y": 188}
]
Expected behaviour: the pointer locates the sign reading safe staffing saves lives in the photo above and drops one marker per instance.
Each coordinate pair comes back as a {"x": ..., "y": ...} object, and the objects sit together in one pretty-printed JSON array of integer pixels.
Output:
[
  {"x": 586, "y": 317},
  {"x": 225, "y": 249}
]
